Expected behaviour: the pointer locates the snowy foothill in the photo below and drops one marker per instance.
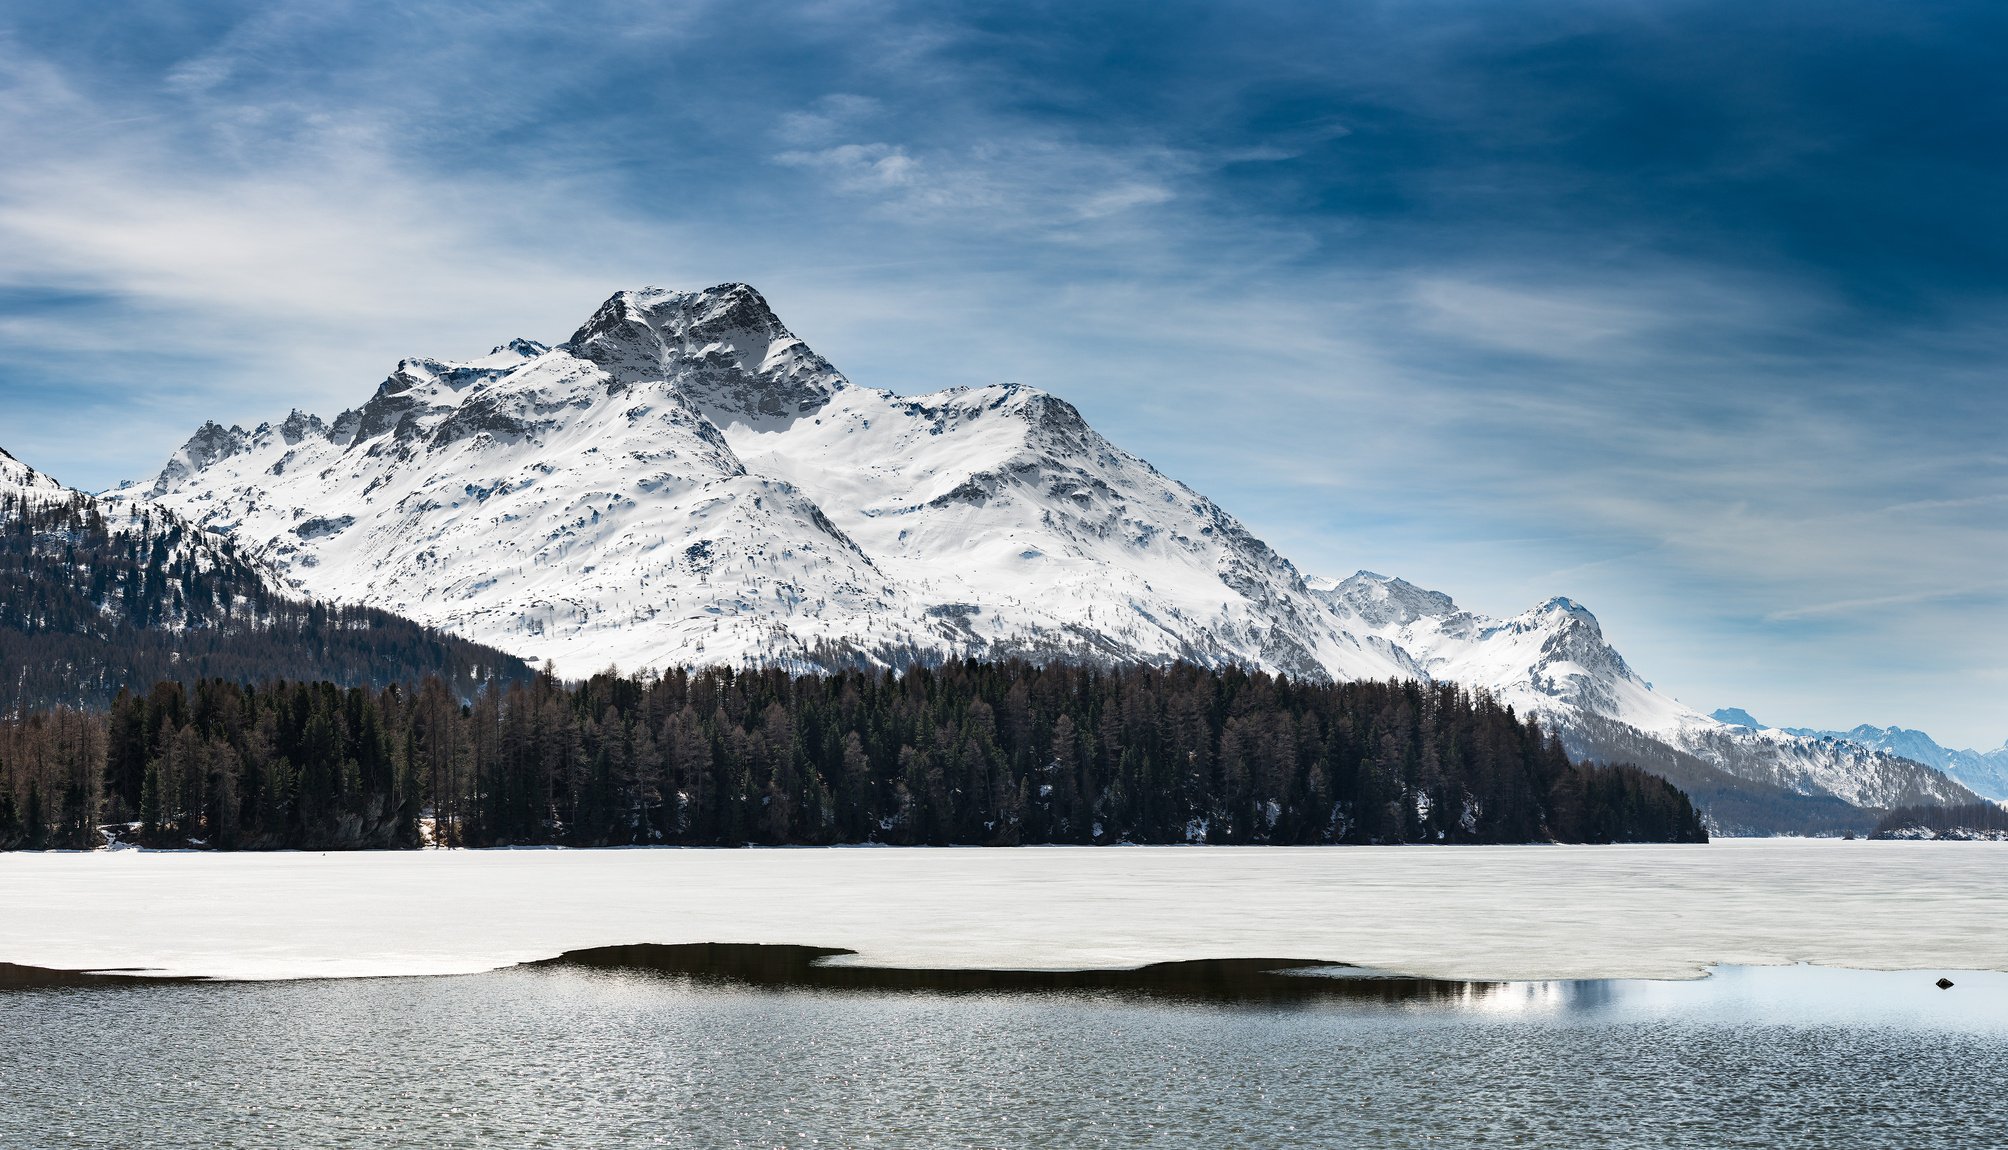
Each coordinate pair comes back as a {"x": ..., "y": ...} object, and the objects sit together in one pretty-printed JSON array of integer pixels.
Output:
[{"x": 1531, "y": 912}]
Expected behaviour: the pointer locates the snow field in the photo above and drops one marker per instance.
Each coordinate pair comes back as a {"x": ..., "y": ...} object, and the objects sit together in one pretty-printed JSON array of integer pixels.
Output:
[{"x": 1538, "y": 912}]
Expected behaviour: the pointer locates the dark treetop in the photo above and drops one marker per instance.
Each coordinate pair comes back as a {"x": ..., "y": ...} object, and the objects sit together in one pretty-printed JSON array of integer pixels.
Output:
[
  {"x": 89, "y": 605},
  {"x": 970, "y": 753}
]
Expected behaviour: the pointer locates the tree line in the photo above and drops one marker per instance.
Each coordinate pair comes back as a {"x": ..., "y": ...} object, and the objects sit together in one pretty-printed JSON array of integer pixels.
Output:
[
  {"x": 963, "y": 753},
  {"x": 1729, "y": 804},
  {"x": 1964, "y": 821}
]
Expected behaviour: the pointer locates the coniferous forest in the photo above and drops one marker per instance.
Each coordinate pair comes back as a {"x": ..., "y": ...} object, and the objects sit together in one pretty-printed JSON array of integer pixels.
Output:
[
  {"x": 92, "y": 601},
  {"x": 1966, "y": 821},
  {"x": 968, "y": 753}
]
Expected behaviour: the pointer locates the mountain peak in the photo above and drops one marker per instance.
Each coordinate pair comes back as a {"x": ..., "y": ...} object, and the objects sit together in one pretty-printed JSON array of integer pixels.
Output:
[
  {"x": 298, "y": 425},
  {"x": 1737, "y": 717},
  {"x": 719, "y": 308},
  {"x": 526, "y": 348},
  {"x": 1382, "y": 601},
  {"x": 1574, "y": 628},
  {"x": 722, "y": 310},
  {"x": 211, "y": 442},
  {"x": 723, "y": 348}
]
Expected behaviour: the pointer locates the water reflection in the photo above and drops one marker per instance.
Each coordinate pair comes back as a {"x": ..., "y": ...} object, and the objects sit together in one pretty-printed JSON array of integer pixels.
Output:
[
  {"x": 14, "y": 976},
  {"x": 1253, "y": 980},
  {"x": 1787, "y": 995},
  {"x": 1976, "y": 1002},
  {"x": 731, "y": 1047}
]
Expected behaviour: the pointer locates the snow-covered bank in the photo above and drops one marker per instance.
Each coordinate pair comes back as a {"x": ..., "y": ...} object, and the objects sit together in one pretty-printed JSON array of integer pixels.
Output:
[{"x": 1470, "y": 912}]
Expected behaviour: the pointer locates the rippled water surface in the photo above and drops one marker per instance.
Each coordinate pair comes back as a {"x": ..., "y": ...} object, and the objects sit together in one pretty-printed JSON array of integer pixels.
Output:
[{"x": 558, "y": 1057}]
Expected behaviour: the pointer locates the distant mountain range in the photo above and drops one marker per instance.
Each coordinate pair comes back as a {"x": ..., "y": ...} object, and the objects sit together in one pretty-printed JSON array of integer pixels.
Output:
[
  {"x": 1985, "y": 772},
  {"x": 1554, "y": 662},
  {"x": 684, "y": 481}
]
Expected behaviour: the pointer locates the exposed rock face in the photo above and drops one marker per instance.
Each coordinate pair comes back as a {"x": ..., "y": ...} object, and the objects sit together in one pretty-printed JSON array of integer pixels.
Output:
[
  {"x": 724, "y": 349},
  {"x": 211, "y": 443}
]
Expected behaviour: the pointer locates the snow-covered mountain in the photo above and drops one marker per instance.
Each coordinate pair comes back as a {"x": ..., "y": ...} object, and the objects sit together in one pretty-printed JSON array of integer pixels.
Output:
[
  {"x": 1985, "y": 772},
  {"x": 25, "y": 491},
  {"x": 18, "y": 481},
  {"x": 685, "y": 481},
  {"x": 1553, "y": 661},
  {"x": 96, "y": 598}
]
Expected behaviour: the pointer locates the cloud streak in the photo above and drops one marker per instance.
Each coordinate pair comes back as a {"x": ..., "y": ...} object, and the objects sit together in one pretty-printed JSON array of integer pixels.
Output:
[{"x": 1662, "y": 309}]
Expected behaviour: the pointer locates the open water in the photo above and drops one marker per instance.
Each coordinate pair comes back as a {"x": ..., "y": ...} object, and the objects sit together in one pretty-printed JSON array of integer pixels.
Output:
[
  {"x": 571, "y": 1057},
  {"x": 393, "y": 1012}
]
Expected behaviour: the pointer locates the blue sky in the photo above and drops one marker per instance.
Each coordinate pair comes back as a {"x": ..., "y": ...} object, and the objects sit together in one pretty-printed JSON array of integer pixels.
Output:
[{"x": 1693, "y": 312}]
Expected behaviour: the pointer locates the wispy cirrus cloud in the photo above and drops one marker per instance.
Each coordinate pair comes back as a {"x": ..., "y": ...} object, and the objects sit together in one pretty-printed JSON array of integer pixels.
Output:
[{"x": 1664, "y": 310}]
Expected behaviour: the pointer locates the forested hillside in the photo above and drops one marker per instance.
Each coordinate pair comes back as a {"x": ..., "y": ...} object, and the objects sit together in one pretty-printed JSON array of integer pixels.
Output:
[
  {"x": 1730, "y": 804},
  {"x": 1965, "y": 822},
  {"x": 91, "y": 603},
  {"x": 966, "y": 753}
]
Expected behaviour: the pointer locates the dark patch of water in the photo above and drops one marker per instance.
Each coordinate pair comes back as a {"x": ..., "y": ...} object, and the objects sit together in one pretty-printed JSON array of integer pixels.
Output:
[
  {"x": 1250, "y": 980},
  {"x": 584, "y": 1056}
]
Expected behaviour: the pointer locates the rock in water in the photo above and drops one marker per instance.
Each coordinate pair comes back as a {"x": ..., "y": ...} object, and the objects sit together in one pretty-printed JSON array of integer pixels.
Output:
[{"x": 1945, "y": 984}]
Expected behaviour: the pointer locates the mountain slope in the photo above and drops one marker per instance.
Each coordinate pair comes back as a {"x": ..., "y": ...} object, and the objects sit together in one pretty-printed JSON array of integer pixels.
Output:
[
  {"x": 684, "y": 481},
  {"x": 93, "y": 600},
  {"x": 1553, "y": 661},
  {"x": 1984, "y": 772},
  {"x": 1001, "y": 509},
  {"x": 539, "y": 503},
  {"x": 22, "y": 485}
]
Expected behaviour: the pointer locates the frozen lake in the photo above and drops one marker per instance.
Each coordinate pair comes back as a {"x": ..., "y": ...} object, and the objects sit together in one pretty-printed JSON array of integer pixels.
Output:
[
  {"x": 1600, "y": 1036},
  {"x": 1520, "y": 913}
]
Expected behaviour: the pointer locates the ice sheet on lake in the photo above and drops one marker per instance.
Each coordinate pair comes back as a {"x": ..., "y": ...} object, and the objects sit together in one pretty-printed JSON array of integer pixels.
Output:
[{"x": 1450, "y": 912}]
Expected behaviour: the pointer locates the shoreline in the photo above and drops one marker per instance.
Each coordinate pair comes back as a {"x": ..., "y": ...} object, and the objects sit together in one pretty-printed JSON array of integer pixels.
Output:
[
  {"x": 796, "y": 978},
  {"x": 795, "y": 966},
  {"x": 1506, "y": 913}
]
